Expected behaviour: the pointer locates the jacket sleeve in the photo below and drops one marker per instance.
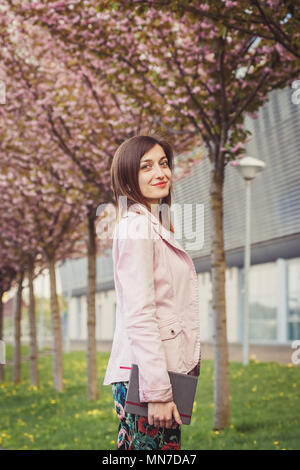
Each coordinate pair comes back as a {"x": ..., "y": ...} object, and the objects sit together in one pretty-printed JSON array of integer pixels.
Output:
[{"x": 135, "y": 271}]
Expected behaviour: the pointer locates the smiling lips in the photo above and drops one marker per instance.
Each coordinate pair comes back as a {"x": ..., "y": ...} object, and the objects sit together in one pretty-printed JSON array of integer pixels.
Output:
[{"x": 163, "y": 183}]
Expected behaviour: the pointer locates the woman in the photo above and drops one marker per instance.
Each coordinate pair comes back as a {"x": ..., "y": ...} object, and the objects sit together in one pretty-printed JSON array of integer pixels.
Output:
[{"x": 157, "y": 315}]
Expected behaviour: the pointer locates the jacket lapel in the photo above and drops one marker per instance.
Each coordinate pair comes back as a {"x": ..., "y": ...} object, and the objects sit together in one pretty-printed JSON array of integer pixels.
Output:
[{"x": 159, "y": 228}]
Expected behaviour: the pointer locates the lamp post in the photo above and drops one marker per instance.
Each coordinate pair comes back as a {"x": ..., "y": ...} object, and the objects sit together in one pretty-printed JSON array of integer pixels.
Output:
[{"x": 248, "y": 168}]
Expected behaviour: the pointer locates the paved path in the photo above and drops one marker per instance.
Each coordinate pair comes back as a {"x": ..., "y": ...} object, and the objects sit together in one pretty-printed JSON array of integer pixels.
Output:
[{"x": 263, "y": 353}]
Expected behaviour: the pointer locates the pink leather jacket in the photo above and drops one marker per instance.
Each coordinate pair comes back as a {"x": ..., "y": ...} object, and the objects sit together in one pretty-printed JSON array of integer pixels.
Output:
[{"x": 157, "y": 313}]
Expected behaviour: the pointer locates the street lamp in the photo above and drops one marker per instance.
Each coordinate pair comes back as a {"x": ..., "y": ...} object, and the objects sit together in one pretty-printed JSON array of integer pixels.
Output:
[{"x": 248, "y": 168}]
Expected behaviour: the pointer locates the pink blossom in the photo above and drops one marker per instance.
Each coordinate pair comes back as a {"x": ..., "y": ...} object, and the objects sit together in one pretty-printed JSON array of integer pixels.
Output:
[{"x": 237, "y": 147}]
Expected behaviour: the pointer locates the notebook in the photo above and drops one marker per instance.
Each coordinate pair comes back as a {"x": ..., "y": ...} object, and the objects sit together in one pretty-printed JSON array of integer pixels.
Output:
[{"x": 184, "y": 389}]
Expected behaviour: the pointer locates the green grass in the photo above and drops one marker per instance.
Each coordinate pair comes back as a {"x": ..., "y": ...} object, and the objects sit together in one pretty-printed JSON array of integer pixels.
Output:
[{"x": 264, "y": 414}]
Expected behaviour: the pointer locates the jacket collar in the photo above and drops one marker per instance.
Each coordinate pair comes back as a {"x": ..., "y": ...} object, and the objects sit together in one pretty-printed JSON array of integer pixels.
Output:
[{"x": 159, "y": 228}]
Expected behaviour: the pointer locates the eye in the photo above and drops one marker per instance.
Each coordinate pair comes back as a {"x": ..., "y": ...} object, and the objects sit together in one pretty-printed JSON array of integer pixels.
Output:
[{"x": 165, "y": 162}]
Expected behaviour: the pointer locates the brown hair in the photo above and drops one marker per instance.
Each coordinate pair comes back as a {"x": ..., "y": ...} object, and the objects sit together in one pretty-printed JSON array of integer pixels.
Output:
[{"x": 125, "y": 169}]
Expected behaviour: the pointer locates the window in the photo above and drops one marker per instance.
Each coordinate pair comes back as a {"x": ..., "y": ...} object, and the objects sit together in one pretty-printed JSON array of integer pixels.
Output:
[
  {"x": 78, "y": 318},
  {"x": 293, "y": 299},
  {"x": 263, "y": 302}
]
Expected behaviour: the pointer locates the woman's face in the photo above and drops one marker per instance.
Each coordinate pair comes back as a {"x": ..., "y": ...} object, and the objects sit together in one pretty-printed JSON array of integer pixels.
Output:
[{"x": 154, "y": 169}]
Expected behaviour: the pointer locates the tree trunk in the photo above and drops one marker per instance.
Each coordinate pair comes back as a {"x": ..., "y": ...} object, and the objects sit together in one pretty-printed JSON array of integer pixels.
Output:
[
  {"x": 57, "y": 353},
  {"x": 91, "y": 320},
  {"x": 218, "y": 269},
  {"x": 2, "y": 370},
  {"x": 17, "y": 332},
  {"x": 34, "y": 373}
]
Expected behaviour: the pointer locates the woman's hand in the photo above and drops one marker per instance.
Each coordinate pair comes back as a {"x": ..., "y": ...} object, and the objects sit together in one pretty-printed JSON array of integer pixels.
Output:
[{"x": 160, "y": 414}]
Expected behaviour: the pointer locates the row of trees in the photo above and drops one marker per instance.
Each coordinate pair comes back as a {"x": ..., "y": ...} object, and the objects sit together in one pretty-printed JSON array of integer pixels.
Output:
[
  {"x": 84, "y": 76},
  {"x": 61, "y": 125}
]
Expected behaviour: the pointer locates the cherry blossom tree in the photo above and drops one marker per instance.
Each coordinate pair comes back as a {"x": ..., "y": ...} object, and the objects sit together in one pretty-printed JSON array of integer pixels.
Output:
[
  {"x": 29, "y": 193},
  {"x": 47, "y": 232},
  {"x": 277, "y": 21}
]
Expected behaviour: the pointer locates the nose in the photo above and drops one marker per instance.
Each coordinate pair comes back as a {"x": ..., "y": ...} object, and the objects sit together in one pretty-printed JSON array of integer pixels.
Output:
[{"x": 158, "y": 171}]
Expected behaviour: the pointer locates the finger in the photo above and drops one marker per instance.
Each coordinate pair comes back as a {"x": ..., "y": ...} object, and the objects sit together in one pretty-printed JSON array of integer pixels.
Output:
[
  {"x": 169, "y": 424},
  {"x": 156, "y": 423},
  {"x": 177, "y": 416},
  {"x": 150, "y": 420}
]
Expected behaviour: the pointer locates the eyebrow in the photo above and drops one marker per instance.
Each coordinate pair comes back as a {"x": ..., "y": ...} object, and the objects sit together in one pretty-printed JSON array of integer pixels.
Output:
[{"x": 149, "y": 159}]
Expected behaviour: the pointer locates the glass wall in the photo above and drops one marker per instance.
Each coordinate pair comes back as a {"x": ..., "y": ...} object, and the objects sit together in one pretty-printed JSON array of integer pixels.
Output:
[
  {"x": 266, "y": 290},
  {"x": 263, "y": 302},
  {"x": 293, "y": 319},
  {"x": 78, "y": 319}
]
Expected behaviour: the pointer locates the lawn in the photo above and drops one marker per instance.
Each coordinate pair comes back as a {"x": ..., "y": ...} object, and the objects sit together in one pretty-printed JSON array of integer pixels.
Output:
[{"x": 264, "y": 401}]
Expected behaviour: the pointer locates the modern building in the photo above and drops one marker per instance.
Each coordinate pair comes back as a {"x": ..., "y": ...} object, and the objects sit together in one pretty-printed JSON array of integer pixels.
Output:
[{"x": 275, "y": 240}]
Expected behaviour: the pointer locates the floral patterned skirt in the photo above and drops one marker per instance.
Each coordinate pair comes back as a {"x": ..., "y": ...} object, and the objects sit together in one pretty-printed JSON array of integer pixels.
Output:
[{"x": 135, "y": 433}]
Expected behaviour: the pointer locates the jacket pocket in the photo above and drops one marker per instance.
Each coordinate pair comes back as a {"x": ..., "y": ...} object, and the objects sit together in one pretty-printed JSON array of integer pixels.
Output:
[
  {"x": 172, "y": 340},
  {"x": 170, "y": 331}
]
